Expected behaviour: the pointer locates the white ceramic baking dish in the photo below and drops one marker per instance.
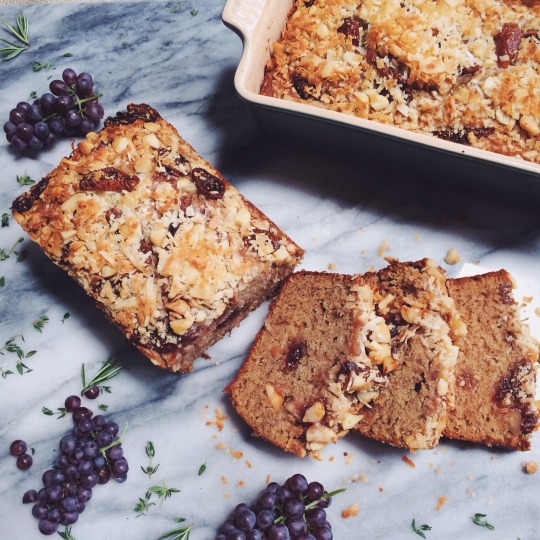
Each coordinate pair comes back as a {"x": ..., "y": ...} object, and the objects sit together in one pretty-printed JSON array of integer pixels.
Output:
[{"x": 259, "y": 24}]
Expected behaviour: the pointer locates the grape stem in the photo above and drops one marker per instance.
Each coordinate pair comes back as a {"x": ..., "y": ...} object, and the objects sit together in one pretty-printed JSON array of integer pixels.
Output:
[
  {"x": 312, "y": 504},
  {"x": 117, "y": 442}
]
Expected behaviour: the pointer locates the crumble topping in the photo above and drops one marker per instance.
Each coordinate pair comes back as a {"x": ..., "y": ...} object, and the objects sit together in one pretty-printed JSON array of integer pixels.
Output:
[{"x": 463, "y": 70}]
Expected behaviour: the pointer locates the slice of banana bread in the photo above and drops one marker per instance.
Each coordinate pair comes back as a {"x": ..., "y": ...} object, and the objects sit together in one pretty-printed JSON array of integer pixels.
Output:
[
  {"x": 411, "y": 411},
  {"x": 281, "y": 391},
  {"x": 167, "y": 248},
  {"x": 495, "y": 372}
]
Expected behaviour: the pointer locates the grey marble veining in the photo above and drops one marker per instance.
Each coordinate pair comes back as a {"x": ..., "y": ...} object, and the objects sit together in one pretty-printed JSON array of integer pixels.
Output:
[{"x": 341, "y": 213}]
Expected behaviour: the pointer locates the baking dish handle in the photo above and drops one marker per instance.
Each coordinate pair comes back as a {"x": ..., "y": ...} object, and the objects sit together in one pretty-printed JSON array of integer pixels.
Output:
[{"x": 242, "y": 16}]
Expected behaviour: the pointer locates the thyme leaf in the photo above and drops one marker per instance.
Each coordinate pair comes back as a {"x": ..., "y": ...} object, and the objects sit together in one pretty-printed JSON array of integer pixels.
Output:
[
  {"x": 66, "y": 316},
  {"x": 6, "y": 254},
  {"x": 40, "y": 323},
  {"x": 38, "y": 66},
  {"x": 2, "y": 281},
  {"x": 420, "y": 529},
  {"x": 5, "y": 220},
  {"x": 202, "y": 469},
  {"x": 478, "y": 520}
]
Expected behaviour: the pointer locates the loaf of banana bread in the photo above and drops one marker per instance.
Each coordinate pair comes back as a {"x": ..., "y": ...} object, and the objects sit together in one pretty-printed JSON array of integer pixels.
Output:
[{"x": 171, "y": 252}]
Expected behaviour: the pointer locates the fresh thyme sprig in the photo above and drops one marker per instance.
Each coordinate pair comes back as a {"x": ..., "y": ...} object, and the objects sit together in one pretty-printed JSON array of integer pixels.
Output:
[
  {"x": 312, "y": 504},
  {"x": 18, "y": 31},
  {"x": 151, "y": 453},
  {"x": 6, "y": 254},
  {"x": 177, "y": 534},
  {"x": 144, "y": 503},
  {"x": 61, "y": 412},
  {"x": 38, "y": 66},
  {"x": 24, "y": 179},
  {"x": 478, "y": 520},
  {"x": 12, "y": 347},
  {"x": 40, "y": 323},
  {"x": 109, "y": 369},
  {"x": 420, "y": 529}
]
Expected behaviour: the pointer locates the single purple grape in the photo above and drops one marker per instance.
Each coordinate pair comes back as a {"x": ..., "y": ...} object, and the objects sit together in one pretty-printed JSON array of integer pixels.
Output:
[
  {"x": 322, "y": 533},
  {"x": 83, "y": 494},
  {"x": 120, "y": 479},
  {"x": 16, "y": 116},
  {"x": 119, "y": 467},
  {"x": 50, "y": 140},
  {"x": 265, "y": 519},
  {"x": 23, "y": 105},
  {"x": 297, "y": 483},
  {"x": 93, "y": 391},
  {"x": 315, "y": 490},
  {"x": 296, "y": 526},
  {"x": 115, "y": 453},
  {"x": 47, "y": 527},
  {"x": 85, "y": 467},
  {"x": 25, "y": 131},
  {"x": 283, "y": 493},
  {"x": 10, "y": 129},
  {"x": 72, "y": 118},
  {"x": 72, "y": 403},
  {"x": 48, "y": 103},
  {"x": 35, "y": 113},
  {"x": 58, "y": 88},
  {"x": 41, "y": 130},
  {"x": 278, "y": 532},
  {"x": 55, "y": 515},
  {"x": 316, "y": 517},
  {"x": 64, "y": 104},
  {"x": 69, "y": 518},
  {"x": 69, "y": 503},
  {"x": 53, "y": 494},
  {"x": 30, "y": 496},
  {"x": 236, "y": 534},
  {"x": 69, "y": 76},
  {"x": 40, "y": 510},
  {"x": 56, "y": 126},
  {"x": 255, "y": 534},
  {"x": 246, "y": 520},
  {"x": 86, "y": 126},
  {"x": 81, "y": 412},
  {"x": 18, "y": 143},
  {"x": 34, "y": 143},
  {"x": 24, "y": 461},
  {"x": 17, "y": 447},
  {"x": 104, "y": 438}
]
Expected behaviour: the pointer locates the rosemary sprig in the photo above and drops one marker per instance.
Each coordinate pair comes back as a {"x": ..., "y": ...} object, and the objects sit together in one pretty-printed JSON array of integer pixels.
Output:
[
  {"x": 21, "y": 31},
  {"x": 40, "y": 323},
  {"x": 325, "y": 497},
  {"x": 177, "y": 534},
  {"x": 151, "y": 453},
  {"x": 420, "y": 529},
  {"x": 478, "y": 520},
  {"x": 18, "y": 31},
  {"x": 109, "y": 369}
]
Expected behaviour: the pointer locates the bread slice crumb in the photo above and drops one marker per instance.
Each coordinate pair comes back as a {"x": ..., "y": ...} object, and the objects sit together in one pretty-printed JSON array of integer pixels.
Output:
[
  {"x": 409, "y": 461},
  {"x": 531, "y": 467},
  {"x": 441, "y": 502},
  {"x": 452, "y": 256},
  {"x": 351, "y": 511}
]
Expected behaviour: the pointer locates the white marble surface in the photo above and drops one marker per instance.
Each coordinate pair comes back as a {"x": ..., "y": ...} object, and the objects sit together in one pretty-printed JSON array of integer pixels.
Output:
[{"x": 341, "y": 214}]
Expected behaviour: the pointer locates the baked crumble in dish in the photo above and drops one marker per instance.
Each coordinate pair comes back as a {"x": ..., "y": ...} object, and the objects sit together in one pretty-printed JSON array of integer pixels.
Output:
[
  {"x": 461, "y": 70},
  {"x": 166, "y": 247}
]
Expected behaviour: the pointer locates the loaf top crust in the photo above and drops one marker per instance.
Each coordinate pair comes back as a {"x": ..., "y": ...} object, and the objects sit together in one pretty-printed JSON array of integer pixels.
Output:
[
  {"x": 153, "y": 233},
  {"x": 463, "y": 70}
]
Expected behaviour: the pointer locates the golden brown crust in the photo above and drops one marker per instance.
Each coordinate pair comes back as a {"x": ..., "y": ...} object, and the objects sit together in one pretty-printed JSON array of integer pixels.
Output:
[
  {"x": 496, "y": 368},
  {"x": 167, "y": 247},
  {"x": 463, "y": 70}
]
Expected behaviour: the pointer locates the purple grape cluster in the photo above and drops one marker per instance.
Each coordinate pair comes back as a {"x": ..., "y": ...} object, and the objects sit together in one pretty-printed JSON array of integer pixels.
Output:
[
  {"x": 88, "y": 457},
  {"x": 71, "y": 107},
  {"x": 294, "y": 510}
]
